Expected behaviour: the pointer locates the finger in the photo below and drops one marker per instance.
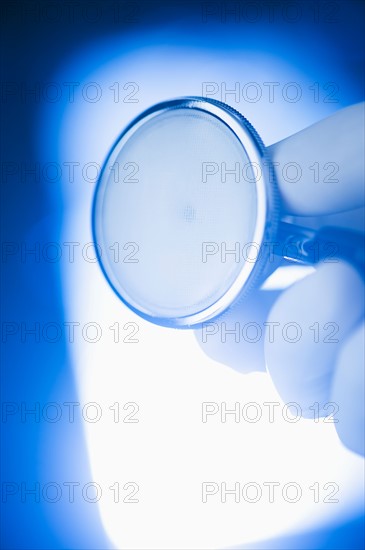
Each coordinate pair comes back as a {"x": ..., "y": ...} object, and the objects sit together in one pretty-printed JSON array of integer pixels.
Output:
[
  {"x": 320, "y": 170},
  {"x": 348, "y": 392},
  {"x": 313, "y": 319},
  {"x": 236, "y": 338}
]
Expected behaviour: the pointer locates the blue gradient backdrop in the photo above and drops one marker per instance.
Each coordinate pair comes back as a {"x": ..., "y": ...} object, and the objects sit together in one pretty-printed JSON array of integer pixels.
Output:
[{"x": 34, "y": 47}]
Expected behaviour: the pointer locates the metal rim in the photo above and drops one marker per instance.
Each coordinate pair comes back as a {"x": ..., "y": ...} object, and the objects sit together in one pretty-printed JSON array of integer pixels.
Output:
[{"x": 267, "y": 211}]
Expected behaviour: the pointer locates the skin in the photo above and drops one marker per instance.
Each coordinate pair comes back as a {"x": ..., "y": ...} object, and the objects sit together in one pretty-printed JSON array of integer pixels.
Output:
[{"x": 307, "y": 371}]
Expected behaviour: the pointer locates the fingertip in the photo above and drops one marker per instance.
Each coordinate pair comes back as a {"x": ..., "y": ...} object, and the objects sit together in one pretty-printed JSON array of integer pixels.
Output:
[
  {"x": 311, "y": 321},
  {"x": 236, "y": 338}
]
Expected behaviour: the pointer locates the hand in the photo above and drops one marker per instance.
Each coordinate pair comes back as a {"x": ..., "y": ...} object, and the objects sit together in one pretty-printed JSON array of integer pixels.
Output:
[{"x": 319, "y": 357}]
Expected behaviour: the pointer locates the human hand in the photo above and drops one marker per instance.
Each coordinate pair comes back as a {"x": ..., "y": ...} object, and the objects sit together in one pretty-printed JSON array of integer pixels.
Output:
[{"x": 312, "y": 339}]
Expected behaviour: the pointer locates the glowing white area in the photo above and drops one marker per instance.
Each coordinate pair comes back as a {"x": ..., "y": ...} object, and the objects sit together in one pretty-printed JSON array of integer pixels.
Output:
[{"x": 170, "y": 452}]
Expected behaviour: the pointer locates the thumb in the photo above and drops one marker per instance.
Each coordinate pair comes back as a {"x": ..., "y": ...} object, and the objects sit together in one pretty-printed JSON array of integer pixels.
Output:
[{"x": 320, "y": 170}]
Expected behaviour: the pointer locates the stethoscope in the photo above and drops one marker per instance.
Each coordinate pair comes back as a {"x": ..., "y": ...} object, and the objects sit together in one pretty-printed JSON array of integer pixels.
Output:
[{"x": 187, "y": 218}]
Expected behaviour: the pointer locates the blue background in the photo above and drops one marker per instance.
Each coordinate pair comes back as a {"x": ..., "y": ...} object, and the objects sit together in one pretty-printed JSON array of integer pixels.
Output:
[{"x": 33, "y": 46}]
